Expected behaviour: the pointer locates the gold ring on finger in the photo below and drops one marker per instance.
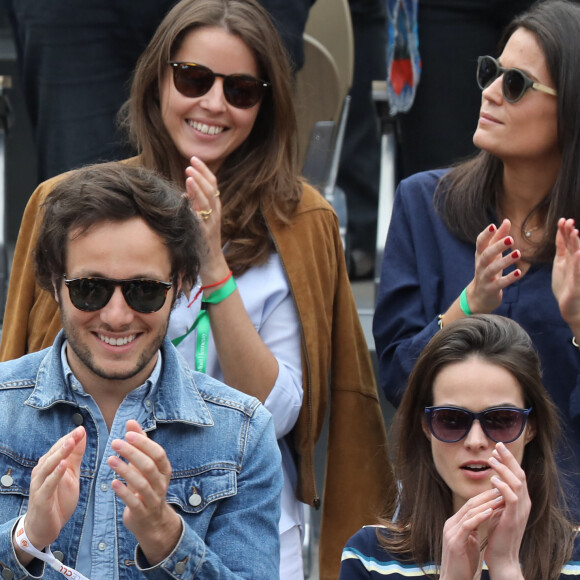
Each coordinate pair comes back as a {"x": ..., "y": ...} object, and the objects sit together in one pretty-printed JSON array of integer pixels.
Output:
[
  {"x": 205, "y": 213},
  {"x": 217, "y": 193}
]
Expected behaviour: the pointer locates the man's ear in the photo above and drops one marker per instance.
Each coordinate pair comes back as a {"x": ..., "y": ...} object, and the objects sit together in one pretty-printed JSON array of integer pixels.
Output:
[
  {"x": 177, "y": 288},
  {"x": 55, "y": 290}
]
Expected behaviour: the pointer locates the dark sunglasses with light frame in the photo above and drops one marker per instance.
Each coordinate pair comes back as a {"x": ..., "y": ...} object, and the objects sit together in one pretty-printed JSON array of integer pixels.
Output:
[{"x": 515, "y": 82}]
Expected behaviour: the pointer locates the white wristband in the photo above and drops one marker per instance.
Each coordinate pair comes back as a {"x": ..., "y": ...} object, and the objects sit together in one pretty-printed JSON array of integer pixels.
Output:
[{"x": 46, "y": 556}]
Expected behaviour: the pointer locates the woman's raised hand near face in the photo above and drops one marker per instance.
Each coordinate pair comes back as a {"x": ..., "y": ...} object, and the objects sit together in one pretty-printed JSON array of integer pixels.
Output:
[
  {"x": 566, "y": 274},
  {"x": 462, "y": 539},
  {"x": 498, "y": 515},
  {"x": 508, "y": 523},
  {"x": 203, "y": 193},
  {"x": 485, "y": 291},
  {"x": 246, "y": 362}
]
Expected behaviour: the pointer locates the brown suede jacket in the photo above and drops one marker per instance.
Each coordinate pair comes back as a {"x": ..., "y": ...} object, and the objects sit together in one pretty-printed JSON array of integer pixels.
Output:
[{"x": 336, "y": 365}]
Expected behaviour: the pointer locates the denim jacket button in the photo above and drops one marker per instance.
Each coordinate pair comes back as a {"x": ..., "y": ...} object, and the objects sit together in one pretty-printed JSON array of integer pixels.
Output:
[
  {"x": 194, "y": 499},
  {"x": 179, "y": 568},
  {"x": 78, "y": 419},
  {"x": 58, "y": 555},
  {"x": 6, "y": 480},
  {"x": 7, "y": 574}
]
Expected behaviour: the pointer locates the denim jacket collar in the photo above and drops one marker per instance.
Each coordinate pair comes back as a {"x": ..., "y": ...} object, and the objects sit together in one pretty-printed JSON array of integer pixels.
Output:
[{"x": 177, "y": 397}]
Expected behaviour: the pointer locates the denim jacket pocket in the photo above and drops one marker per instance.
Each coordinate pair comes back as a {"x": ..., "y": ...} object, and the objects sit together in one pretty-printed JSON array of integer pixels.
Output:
[
  {"x": 192, "y": 492},
  {"x": 15, "y": 473}
]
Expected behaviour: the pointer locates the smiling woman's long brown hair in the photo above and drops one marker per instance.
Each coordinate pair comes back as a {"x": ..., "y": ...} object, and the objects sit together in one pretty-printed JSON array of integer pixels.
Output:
[
  {"x": 261, "y": 175},
  {"x": 425, "y": 501}
]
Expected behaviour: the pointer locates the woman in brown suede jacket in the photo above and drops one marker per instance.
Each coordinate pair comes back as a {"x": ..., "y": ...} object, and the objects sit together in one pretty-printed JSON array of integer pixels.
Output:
[{"x": 262, "y": 213}]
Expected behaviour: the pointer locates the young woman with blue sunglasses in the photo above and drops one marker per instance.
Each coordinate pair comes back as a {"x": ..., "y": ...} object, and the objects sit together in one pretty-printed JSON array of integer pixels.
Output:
[{"x": 480, "y": 494}]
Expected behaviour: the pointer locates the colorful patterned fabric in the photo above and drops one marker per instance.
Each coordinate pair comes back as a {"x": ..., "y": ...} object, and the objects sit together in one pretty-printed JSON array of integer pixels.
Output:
[
  {"x": 364, "y": 559},
  {"x": 403, "y": 59}
]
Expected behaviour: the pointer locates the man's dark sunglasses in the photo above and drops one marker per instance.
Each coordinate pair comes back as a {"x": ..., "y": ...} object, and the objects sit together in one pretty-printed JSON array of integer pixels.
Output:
[
  {"x": 92, "y": 294},
  {"x": 195, "y": 80},
  {"x": 451, "y": 424},
  {"x": 515, "y": 83}
]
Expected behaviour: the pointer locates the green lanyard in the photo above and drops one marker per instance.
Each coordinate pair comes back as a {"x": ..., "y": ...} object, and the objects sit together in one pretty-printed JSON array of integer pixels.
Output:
[{"x": 201, "y": 322}]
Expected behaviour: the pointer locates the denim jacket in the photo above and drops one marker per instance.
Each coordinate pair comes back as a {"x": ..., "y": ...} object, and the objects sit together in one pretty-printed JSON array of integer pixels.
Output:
[{"x": 221, "y": 446}]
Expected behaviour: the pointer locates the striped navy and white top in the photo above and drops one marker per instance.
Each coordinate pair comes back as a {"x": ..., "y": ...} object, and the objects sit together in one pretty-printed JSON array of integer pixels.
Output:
[{"x": 364, "y": 559}]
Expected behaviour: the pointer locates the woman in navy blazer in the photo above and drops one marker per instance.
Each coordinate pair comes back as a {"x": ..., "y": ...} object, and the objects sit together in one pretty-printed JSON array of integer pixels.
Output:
[{"x": 497, "y": 233}]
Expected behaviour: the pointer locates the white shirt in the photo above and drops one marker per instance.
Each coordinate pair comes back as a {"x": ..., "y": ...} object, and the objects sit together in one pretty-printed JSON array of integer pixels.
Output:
[{"x": 266, "y": 296}]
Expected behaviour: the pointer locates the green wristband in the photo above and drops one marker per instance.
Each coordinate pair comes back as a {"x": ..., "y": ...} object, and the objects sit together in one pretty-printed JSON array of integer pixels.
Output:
[
  {"x": 463, "y": 304},
  {"x": 214, "y": 298},
  {"x": 221, "y": 293}
]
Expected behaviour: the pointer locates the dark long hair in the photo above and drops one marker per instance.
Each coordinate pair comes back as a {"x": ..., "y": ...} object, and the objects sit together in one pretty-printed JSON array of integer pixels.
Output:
[
  {"x": 471, "y": 192},
  {"x": 261, "y": 175},
  {"x": 425, "y": 500}
]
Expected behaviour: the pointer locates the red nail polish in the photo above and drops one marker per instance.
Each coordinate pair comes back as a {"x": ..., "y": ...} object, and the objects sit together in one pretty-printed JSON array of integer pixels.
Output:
[
  {"x": 517, "y": 274},
  {"x": 508, "y": 242},
  {"x": 492, "y": 228},
  {"x": 515, "y": 255}
]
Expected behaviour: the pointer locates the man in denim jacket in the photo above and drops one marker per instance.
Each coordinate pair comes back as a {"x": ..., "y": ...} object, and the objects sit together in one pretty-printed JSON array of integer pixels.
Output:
[{"x": 115, "y": 459}]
